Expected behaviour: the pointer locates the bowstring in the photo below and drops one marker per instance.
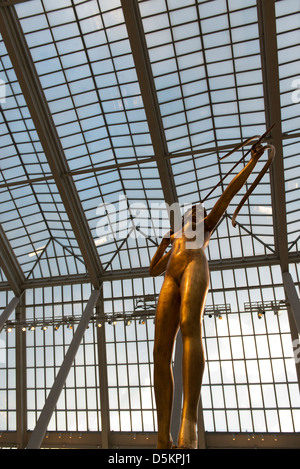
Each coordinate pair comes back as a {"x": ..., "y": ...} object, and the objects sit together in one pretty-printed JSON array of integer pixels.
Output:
[
  {"x": 230, "y": 171},
  {"x": 241, "y": 145}
]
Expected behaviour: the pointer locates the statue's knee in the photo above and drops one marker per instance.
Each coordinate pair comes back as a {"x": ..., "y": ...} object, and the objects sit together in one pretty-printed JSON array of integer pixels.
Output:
[
  {"x": 189, "y": 328},
  {"x": 158, "y": 354},
  {"x": 161, "y": 358}
]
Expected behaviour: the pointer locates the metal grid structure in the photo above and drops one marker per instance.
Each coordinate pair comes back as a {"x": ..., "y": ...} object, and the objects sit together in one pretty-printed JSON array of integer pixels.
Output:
[{"x": 109, "y": 110}]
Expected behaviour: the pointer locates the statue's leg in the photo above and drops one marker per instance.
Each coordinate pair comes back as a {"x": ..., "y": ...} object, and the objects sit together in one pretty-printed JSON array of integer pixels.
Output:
[
  {"x": 194, "y": 286},
  {"x": 166, "y": 327}
]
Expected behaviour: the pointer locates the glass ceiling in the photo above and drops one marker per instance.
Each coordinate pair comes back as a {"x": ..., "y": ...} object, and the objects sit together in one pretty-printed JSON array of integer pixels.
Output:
[
  {"x": 206, "y": 66},
  {"x": 32, "y": 215},
  {"x": 128, "y": 143}
]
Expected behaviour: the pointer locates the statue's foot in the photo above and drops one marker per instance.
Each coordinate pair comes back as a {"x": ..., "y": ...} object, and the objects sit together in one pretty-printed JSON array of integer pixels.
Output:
[
  {"x": 188, "y": 435},
  {"x": 188, "y": 445},
  {"x": 165, "y": 444}
]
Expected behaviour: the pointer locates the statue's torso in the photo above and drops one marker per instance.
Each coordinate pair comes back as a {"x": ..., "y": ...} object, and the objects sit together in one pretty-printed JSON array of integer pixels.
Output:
[{"x": 181, "y": 257}]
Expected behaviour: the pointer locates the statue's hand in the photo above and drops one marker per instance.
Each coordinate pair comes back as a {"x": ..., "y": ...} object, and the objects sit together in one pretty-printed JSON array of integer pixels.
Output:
[
  {"x": 168, "y": 237},
  {"x": 256, "y": 152}
]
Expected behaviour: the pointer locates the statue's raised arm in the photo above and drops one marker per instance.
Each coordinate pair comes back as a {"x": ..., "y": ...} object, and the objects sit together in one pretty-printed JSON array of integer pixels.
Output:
[{"x": 237, "y": 183}]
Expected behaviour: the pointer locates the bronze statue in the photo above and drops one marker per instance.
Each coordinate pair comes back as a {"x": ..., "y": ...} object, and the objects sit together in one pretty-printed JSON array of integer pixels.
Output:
[{"x": 181, "y": 304}]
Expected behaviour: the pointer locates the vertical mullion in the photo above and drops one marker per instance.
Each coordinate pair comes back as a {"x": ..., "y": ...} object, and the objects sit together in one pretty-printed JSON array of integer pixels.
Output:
[
  {"x": 127, "y": 364},
  {"x": 208, "y": 376},
  {"x": 230, "y": 345},
  {"x": 21, "y": 387},
  {"x": 246, "y": 370},
  {"x": 210, "y": 385},
  {"x": 73, "y": 370},
  {"x": 218, "y": 345},
  {"x": 234, "y": 377},
  {"x": 54, "y": 354},
  {"x": 42, "y": 333},
  {"x": 63, "y": 348},
  {"x": 257, "y": 359},
  {"x": 35, "y": 358},
  {"x": 83, "y": 345},
  {"x": 286, "y": 378},
  {"x": 138, "y": 369},
  {"x": 122, "y": 324},
  {"x": 242, "y": 341},
  {"x": 271, "y": 360},
  {"x": 149, "y": 364},
  {"x": 103, "y": 376},
  {"x": 116, "y": 365},
  {"x": 127, "y": 371},
  {"x": 96, "y": 372}
]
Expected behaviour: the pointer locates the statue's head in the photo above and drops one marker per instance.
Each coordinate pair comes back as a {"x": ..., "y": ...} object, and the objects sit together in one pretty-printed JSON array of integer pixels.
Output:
[
  {"x": 193, "y": 226},
  {"x": 194, "y": 215}
]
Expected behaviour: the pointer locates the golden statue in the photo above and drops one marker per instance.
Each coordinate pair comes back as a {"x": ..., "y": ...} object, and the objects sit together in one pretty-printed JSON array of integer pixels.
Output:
[{"x": 181, "y": 304}]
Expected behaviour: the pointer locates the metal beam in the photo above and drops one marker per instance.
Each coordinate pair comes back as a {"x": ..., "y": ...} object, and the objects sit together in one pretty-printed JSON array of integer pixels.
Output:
[
  {"x": 45, "y": 416},
  {"x": 24, "y": 68},
  {"x": 103, "y": 378},
  {"x": 141, "y": 272},
  {"x": 293, "y": 314},
  {"x": 292, "y": 297},
  {"x": 10, "y": 265},
  {"x": 268, "y": 38},
  {"x": 8, "y": 311},
  {"x": 144, "y": 73},
  {"x": 214, "y": 265},
  {"x": 98, "y": 169},
  {"x": 6, "y": 3},
  {"x": 21, "y": 373}
]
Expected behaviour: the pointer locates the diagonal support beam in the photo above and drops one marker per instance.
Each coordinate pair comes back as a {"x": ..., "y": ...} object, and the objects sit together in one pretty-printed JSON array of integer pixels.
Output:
[
  {"x": 267, "y": 25},
  {"x": 103, "y": 376},
  {"x": 10, "y": 265},
  {"x": 45, "y": 416},
  {"x": 294, "y": 314},
  {"x": 293, "y": 298},
  {"x": 8, "y": 311},
  {"x": 144, "y": 73},
  {"x": 38, "y": 107}
]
